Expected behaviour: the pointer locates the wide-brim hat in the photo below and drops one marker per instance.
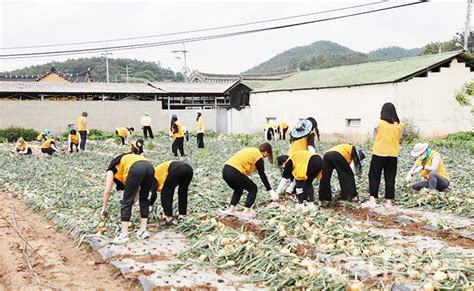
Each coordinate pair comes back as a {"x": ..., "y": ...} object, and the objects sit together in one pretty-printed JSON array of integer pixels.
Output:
[
  {"x": 301, "y": 129},
  {"x": 418, "y": 149}
]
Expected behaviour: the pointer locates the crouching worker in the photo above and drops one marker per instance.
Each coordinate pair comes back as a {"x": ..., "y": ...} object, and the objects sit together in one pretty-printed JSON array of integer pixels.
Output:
[
  {"x": 43, "y": 136},
  {"x": 346, "y": 160},
  {"x": 124, "y": 133},
  {"x": 431, "y": 167},
  {"x": 136, "y": 147},
  {"x": 303, "y": 167},
  {"x": 134, "y": 174},
  {"x": 73, "y": 140},
  {"x": 22, "y": 147},
  {"x": 168, "y": 176},
  {"x": 236, "y": 170},
  {"x": 49, "y": 147}
]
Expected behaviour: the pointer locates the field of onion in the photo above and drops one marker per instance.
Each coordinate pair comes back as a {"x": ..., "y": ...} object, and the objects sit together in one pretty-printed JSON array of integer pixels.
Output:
[{"x": 331, "y": 248}]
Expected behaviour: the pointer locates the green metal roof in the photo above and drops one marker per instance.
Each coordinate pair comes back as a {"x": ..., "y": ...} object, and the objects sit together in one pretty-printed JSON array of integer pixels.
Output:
[
  {"x": 362, "y": 74},
  {"x": 255, "y": 85}
]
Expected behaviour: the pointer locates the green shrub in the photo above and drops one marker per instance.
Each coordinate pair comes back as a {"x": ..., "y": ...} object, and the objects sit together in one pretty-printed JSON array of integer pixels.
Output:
[
  {"x": 410, "y": 132},
  {"x": 462, "y": 140},
  {"x": 12, "y": 133},
  {"x": 98, "y": 134}
]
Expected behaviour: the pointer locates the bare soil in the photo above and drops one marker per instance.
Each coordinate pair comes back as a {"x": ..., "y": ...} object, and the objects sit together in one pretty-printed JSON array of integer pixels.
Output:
[
  {"x": 53, "y": 256},
  {"x": 235, "y": 223}
]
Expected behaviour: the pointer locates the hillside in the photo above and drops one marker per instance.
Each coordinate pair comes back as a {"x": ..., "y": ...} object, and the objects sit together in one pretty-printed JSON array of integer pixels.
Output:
[
  {"x": 139, "y": 71},
  {"x": 326, "y": 54}
]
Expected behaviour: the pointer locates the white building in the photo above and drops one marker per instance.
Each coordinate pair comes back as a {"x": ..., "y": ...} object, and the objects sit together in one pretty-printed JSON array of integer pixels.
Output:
[{"x": 346, "y": 100}]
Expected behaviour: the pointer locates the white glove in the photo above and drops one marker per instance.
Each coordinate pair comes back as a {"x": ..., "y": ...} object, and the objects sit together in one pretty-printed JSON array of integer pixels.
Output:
[
  {"x": 418, "y": 169},
  {"x": 311, "y": 149},
  {"x": 408, "y": 177},
  {"x": 291, "y": 187},
  {"x": 274, "y": 195},
  {"x": 282, "y": 185}
]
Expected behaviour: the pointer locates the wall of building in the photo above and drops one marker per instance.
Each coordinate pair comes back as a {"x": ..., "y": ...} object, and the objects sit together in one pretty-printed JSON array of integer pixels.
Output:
[{"x": 429, "y": 102}]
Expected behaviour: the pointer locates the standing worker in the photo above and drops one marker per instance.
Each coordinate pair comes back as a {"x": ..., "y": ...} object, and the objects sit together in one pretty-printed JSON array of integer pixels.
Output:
[
  {"x": 82, "y": 128},
  {"x": 431, "y": 167},
  {"x": 200, "y": 129},
  {"x": 136, "y": 147},
  {"x": 282, "y": 129},
  {"x": 49, "y": 147},
  {"x": 168, "y": 176},
  {"x": 145, "y": 122},
  {"x": 236, "y": 170},
  {"x": 134, "y": 174},
  {"x": 176, "y": 133},
  {"x": 385, "y": 155},
  {"x": 303, "y": 167},
  {"x": 269, "y": 131},
  {"x": 346, "y": 160},
  {"x": 124, "y": 133},
  {"x": 73, "y": 140}
]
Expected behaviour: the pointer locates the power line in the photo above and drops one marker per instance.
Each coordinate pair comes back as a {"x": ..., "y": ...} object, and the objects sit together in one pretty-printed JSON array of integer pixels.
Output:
[
  {"x": 197, "y": 30},
  {"x": 197, "y": 39}
]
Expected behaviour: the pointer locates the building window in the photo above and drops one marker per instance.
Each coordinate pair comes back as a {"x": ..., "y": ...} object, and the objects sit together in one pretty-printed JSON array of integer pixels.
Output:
[
  {"x": 271, "y": 119},
  {"x": 352, "y": 122}
]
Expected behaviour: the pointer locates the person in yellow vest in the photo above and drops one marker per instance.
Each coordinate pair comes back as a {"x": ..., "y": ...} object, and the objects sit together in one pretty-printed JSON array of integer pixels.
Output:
[
  {"x": 236, "y": 170},
  {"x": 82, "y": 129},
  {"x": 385, "y": 155},
  {"x": 49, "y": 147},
  {"x": 282, "y": 129},
  {"x": 200, "y": 128},
  {"x": 431, "y": 167},
  {"x": 168, "y": 176},
  {"x": 303, "y": 167},
  {"x": 269, "y": 131},
  {"x": 134, "y": 175},
  {"x": 73, "y": 140},
  {"x": 145, "y": 122},
  {"x": 136, "y": 147},
  {"x": 346, "y": 159},
  {"x": 43, "y": 136},
  {"x": 124, "y": 133},
  {"x": 22, "y": 147},
  {"x": 177, "y": 134}
]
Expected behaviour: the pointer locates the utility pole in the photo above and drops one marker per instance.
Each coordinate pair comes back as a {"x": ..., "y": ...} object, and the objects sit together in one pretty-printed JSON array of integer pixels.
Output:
[
  {"x": 106, "y": 55},
  {"x": 467, "y": 29},
  {"x": 126, "y": 71},
  {"x": 184, "y": 52}
]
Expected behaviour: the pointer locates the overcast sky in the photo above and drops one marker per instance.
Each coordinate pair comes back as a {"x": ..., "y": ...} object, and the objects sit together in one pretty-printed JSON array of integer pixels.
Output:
[{"x": 29, "y": 23}]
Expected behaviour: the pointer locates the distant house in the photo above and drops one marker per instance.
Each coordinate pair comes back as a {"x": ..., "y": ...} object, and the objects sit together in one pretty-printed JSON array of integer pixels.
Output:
[
  {"x": 52, "y": 76},
  {"x": 347, "y": 100}
]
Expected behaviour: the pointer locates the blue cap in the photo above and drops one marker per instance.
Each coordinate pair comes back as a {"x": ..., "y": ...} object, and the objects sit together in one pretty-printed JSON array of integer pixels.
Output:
[{"x": 174, "y": 116}]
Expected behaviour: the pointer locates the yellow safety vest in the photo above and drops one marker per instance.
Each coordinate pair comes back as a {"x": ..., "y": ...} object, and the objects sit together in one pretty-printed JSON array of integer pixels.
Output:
[
  {"x": 245, "y": 160},
  {"x": 200, "y": 125},
  {"x": 387, "y": 141},
  {"x": 122, "y": 131},
  {"x": 441, "y": 170},
  {"x": 124, "y": 166},
  {"x": 345, "y": 150},
  {"x": 300, "y": 161},
  {"x": 47, "y": 144},
  {"x": 74, "y": 138},
  {"x": 161, "y": 173},
  {"x": 81, "y": 123},
  {"x": 180, "y": 130}
]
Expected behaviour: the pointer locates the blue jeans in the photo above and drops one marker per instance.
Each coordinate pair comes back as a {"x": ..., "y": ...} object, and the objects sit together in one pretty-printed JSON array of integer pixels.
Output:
[{"x": 434, "y": 181}]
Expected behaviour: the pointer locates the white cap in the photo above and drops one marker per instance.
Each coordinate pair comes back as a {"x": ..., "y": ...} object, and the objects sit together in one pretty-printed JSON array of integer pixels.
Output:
[{"x": 418, "y": 149}]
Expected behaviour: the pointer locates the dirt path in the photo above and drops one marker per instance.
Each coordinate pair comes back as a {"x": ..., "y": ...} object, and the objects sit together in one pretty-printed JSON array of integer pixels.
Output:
[{"x": 58, "y": 263}]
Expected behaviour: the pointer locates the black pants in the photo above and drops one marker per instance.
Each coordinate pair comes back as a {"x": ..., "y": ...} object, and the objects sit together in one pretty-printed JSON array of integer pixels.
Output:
[
  {"x": 179, "y": 174},
  {"x": 282, "y": 133},
  {"x": 239, "y": 182},
  {"x": 389, "y": 167},
  {"x": 270, "y": 133},
  {"x": 147, "y": 130},
  {"x": 71, "y": 147},
  {"x": 83, "y": 135},
  {"x": 28, "y": 152},
  {"x": 304, "y": 188},
  {"x": 48, "y": 151},
  {"x": 178, "y": 144},
  {"x": 200, "y": 140},
  {"x": 141, "y": 175},
  {"x": 331, "y": 161}
]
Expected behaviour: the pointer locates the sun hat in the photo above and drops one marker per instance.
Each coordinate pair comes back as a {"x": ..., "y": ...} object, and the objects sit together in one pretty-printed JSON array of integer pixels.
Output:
[
  {"x": 46, "y": 131},
  {"x": 301, "y": 129},
  {"x": 418, "y": 149},
  {"x": 85, "y": 113}
]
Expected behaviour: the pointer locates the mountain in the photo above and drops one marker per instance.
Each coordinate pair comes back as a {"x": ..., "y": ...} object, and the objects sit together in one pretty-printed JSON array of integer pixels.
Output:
[
  {"x": 327, "y": 54},
  {"x": 393, "y": 52},
  {"x": 138, "y": 71}
]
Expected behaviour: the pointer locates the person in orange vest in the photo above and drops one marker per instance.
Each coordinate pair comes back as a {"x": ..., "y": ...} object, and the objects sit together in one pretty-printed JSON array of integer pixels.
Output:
[
  {"x": 134, "y": 175},
  {"x": 73, "y": 140},
  {"x": 82, "y": 129},
  {"x": 124, "y": 133},
  {"x": 236, "y": 170},
  {"x": 49, "y": 147},
  {"x": 177, "y": 134},
  {"x": 168, "y": 176},
  {"x": 282, "y": 129},
  {"x": 385, "y": 155},
  {"x": 346, "y": 160},
  {"x": 431, "y": 167},
  {"x": 136, "y": 147},
  {"x": 200, "y": 128},
  {"x": 303, "y": 167}
]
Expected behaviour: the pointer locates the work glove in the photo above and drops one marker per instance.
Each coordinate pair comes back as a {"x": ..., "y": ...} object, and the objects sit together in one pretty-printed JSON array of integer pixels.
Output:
[
  {"x": 408, "y": 177},
  {"x": 274, "y": 195}
]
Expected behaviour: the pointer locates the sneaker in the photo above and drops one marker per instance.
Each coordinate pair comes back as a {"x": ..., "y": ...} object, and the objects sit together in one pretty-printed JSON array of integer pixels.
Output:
[
  {"x": 299, "y": 206},
  {"x": 166, "y": 223},
  {"x": 358, "y": 199},
  {"x": 120, "y": 239},
  {"x": 144, "y": 234},
  {"x": 370, "y": 204},
  {"x": 388, "y": 204},
  {"x": 311, "y": 207},
  {"x": 249, "y": 214}
]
